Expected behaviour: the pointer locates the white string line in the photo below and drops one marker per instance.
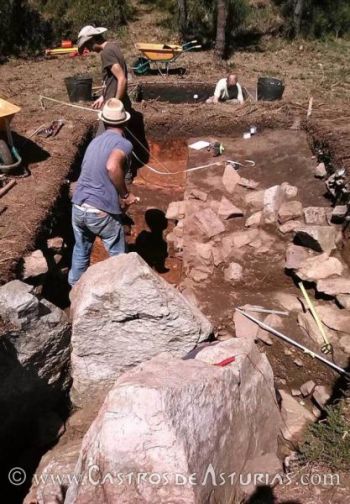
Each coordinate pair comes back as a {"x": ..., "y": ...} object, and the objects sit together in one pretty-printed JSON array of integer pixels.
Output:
[
  {"x": 202, "y": 167},
  {"x": 177, "y": 172}
]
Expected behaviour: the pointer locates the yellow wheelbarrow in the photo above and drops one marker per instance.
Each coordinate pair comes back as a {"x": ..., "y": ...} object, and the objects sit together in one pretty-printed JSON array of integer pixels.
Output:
[
  {"x": 160, "y": 54},
  {"x": 9, "y": 156}
]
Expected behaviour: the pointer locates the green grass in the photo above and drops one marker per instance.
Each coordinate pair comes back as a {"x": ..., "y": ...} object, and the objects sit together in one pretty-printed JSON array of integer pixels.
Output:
[{"x": 328, "y": 441}]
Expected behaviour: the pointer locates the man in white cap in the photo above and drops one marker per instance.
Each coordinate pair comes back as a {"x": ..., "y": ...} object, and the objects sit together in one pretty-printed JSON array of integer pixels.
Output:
[
  {"x": 101, "y": 190},
  {"x": 114, "y": 69}
]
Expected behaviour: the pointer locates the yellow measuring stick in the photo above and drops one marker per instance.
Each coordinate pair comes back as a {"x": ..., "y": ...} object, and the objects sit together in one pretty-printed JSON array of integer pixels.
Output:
[{"x": 328, "y": 347}]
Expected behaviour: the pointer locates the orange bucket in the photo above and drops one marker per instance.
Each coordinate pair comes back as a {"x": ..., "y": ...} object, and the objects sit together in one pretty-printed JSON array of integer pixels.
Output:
[{"x": 66, "y": 44}]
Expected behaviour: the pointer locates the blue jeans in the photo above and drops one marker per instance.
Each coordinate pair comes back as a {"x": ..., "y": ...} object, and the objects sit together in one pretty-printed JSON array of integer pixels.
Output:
[{"x": 88, "y": 225}]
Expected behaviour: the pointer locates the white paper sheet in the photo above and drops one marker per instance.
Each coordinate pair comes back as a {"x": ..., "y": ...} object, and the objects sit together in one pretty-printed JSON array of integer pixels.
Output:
[{"x": 201, "y": 144}]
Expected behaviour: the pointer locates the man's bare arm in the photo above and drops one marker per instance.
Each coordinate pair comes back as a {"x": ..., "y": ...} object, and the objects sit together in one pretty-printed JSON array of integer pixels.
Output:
[
  {"x": 119, "y": 74},
  {"x": 115, "y": 168}
]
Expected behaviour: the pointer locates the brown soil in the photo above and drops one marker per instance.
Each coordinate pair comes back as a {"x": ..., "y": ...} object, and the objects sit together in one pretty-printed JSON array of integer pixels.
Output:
[{"x": 168, "y": 126}]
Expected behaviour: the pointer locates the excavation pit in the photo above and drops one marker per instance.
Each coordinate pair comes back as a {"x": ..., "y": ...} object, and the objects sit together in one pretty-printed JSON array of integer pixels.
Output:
[{"x": 280, "y": 155}]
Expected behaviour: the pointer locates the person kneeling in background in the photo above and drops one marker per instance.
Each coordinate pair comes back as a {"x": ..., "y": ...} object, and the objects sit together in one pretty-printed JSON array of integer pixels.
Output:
[
  {"x": 227, "y": 89},
  {"x": 101, "y": 190}
]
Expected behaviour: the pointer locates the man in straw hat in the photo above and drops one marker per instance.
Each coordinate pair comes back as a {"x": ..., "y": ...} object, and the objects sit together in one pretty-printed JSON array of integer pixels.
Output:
[
  {"x": 101, "y": 190},
  {"x": 114, "y": 69}
]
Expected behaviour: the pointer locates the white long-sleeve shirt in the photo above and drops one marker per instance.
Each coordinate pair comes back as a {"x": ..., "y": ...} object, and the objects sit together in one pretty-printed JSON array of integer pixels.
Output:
[{"x": 221, "y": 91}]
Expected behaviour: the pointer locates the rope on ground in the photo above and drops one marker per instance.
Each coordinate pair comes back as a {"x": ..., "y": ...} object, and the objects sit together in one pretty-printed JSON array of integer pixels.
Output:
[
  {"x": 154, "y": 170},
  {"x": 247, "y": 162}
]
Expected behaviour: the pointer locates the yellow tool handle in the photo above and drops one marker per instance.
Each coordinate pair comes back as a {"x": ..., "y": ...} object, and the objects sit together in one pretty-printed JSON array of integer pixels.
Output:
[{"x": 314, "y": 313}]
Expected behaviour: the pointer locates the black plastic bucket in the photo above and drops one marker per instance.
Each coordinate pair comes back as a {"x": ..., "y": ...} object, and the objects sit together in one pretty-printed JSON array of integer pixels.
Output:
[
  {"x": 79, "y": 88},
  {"x": 270, "y": 89}
]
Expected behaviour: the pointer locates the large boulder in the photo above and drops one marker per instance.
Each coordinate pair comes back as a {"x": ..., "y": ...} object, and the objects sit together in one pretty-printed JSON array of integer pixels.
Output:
[
  {"x": 180, "y": 424},
  {"x": 34, "y": 366},
  {"x": 123, "y": 314}
]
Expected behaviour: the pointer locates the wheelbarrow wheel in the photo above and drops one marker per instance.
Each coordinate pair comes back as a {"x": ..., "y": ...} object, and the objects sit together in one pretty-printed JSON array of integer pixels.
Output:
[{"x": 5, "y": 154}]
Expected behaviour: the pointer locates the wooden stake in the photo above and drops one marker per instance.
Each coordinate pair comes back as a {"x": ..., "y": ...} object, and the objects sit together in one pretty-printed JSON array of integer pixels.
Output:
[
  {"x": 309, "y": 110},
  {"x": 7, "y": 187}
]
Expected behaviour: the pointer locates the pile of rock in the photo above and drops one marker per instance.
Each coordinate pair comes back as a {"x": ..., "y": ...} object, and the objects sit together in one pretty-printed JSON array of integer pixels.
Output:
[{"x": 267, "y": 221}]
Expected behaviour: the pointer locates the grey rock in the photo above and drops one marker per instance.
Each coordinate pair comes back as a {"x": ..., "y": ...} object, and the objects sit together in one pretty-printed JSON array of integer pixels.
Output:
[
  {"x": 307, "y": 322},
  {"x": 55, "y": 244},
  {"x": 334, "y": 318},
  {"x": 176, "y": 210},
  {"x": 322, "y": 394},
  {"x": 289, "y": 226},
  {"x": 273, "y": 321},
  {"x": 17, "y": 303},
  {"x": 290, "y": 191},
  {"x": 123, "y": 314},
  {"x": 296, "y": 417},
  {"x": 241, "y": 238},
  {"x": 53, "y": 475},
  {"x": 248, "y": 183},
  {"x": 288, "y": 301},
  {"x": 290, "y": 210},
  {"x": 227, "y": 210},
  {"x": 334, "y": 286},
  {"x": 233, "y": 273},
  {"x": 344, "y": 343},
  {"x": 298, "y": 362},
  {"x": 35, "y": 265},
  {"x": 230, "y": 178},
  {"x": 339, "y": 212},
  {"x": 317, "y": 215},
  {"x": 307, "y": 388},
  {"x": 320, "y": 170},
  {"x": 197, "y": 194},
  {"x": 254, "y": 220},
  {"x": 34, "y": 362},
  {"x": 273, "y": 199},
  {"x": 157, "y": 416},
  {"x": 319, "y": 267},
  {"x": 344, "y": 300},
  {"x": 255, "y": 199},
  {"x": 318, "y": 238},
  {"x": 209, "y": 223},
  {"x": 295, "y": 256}
]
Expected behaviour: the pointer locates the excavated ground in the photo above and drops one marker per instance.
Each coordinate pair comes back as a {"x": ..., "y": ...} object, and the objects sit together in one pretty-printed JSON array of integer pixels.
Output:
[{"x": 280, "y": 153}]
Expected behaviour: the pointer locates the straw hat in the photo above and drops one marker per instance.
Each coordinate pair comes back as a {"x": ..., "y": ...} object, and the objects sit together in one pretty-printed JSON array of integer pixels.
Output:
[
  {"x": 86, "y": 34},
  {"x": 114, "y": 113}
]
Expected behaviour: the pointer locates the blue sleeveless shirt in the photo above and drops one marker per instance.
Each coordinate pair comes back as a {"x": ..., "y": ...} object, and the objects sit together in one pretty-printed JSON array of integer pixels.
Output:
[{"x": 94, "y": 185}]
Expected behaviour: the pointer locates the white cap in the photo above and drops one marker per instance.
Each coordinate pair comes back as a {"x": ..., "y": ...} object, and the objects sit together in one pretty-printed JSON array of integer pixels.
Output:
[{"x": 87, "y": 33}]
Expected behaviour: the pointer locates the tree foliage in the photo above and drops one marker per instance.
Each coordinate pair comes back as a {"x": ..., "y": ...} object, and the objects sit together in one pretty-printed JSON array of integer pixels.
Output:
[
  {"x": 26, "y": 26},
  {"x": 318, "y": 18}
]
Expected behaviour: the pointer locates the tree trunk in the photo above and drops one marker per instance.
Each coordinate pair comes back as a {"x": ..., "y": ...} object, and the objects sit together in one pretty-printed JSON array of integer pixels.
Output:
[
  {"x": 182, "y": 5},
  {"x": 297, "y": 16},
  {"x": 222, "y": 14}
]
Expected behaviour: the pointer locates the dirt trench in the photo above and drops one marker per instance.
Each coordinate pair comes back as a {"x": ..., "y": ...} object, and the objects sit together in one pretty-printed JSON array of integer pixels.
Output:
[{"x": 280, "y": 154}]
